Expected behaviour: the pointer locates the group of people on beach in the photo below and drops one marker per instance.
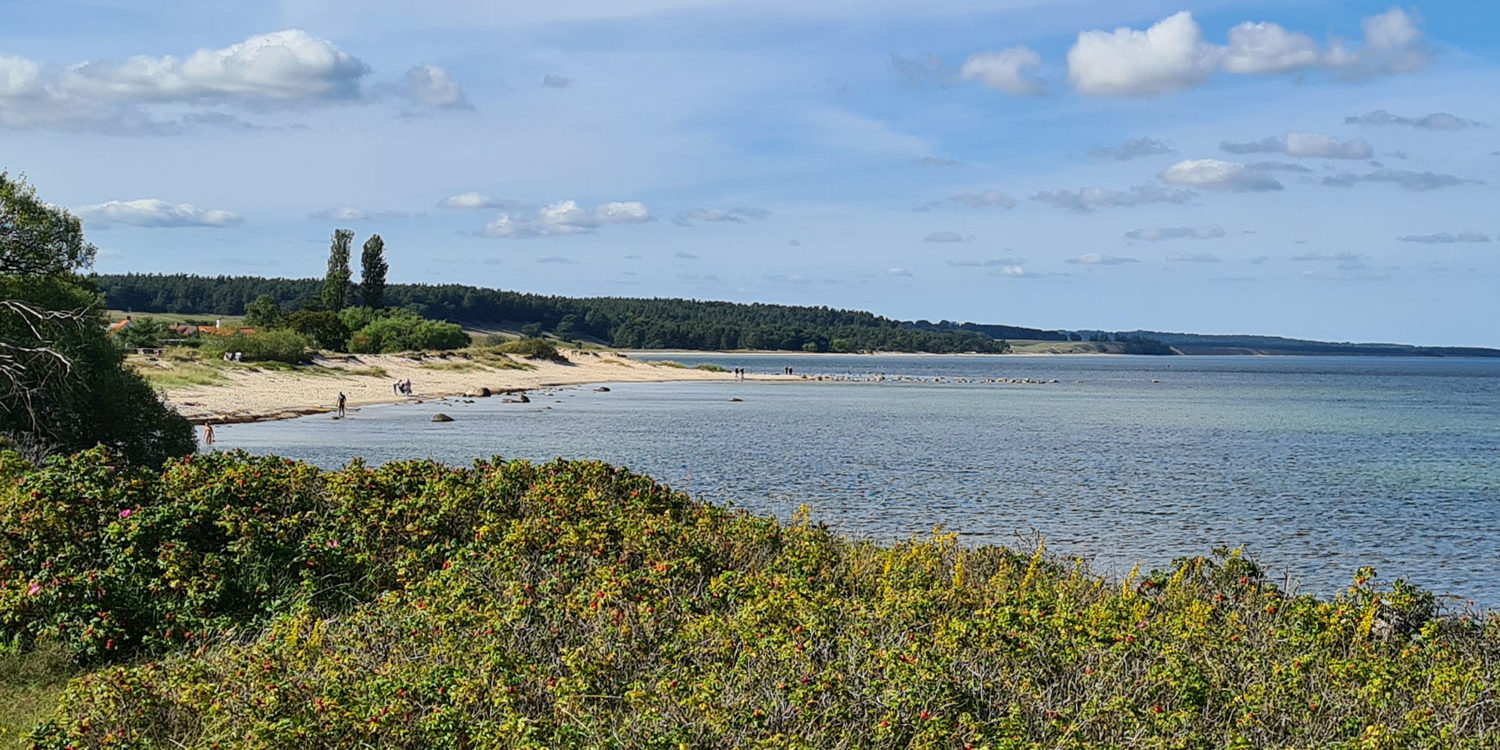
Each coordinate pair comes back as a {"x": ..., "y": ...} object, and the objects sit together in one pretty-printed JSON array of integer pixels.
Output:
[
  {"x": 739, "y": 373},
  {"x": 401, "y": 387}
]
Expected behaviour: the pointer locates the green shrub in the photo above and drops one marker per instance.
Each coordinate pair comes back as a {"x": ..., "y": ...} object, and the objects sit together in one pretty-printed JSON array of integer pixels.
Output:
[
  {"x": 266, "y": 346},
  {"x": 533, "y": 349},
  {"x": 402, "y": 330},
  {"x": 326, "y": 330},
  {"x": 577, "y": 605}
]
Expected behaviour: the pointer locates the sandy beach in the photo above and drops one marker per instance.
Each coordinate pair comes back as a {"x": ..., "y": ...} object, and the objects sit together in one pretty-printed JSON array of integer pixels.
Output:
[{"x": 258, "y": 393}]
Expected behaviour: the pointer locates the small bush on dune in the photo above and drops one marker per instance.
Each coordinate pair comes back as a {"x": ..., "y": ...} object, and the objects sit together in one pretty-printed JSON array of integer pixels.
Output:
[
  {"x": 533, "y": 349},
  {"x": 578, "y": 605},
  {"x": 402, "y": 330},
  {"x": 268, "y": 346}
]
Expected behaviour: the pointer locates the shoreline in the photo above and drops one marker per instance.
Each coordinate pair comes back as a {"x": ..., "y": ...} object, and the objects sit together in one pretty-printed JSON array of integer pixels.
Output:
[{"x": 263, "y": 394}]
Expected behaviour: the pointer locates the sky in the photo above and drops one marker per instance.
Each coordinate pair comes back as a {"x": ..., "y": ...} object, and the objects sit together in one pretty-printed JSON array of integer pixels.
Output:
[{"x": 1322, "y": 170}]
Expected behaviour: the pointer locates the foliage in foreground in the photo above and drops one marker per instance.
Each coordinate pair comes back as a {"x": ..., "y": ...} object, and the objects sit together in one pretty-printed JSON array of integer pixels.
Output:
[{"x": 578, "y": 605}]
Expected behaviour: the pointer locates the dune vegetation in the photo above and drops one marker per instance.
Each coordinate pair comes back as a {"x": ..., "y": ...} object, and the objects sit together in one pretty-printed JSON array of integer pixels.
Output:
[{"x": 229, "y": 600}]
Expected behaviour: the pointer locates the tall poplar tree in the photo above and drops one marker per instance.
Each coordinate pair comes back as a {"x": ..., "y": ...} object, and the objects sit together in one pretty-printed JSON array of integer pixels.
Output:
[
  {"x": 336, "y": 283},
  {"x": 372, "y": 273}
]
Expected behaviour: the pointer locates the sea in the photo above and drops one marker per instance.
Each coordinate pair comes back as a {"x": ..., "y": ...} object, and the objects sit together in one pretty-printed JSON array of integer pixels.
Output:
[{"x": 1316, "y": 466}]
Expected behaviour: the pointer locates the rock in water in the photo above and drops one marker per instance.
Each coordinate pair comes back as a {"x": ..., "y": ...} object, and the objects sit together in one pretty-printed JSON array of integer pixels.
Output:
[{"x": 441, "y": 418}]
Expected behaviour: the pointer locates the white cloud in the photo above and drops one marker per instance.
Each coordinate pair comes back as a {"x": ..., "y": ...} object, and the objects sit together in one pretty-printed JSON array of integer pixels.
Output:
[
  {"x": 1086, "y": 200},
  {"x": 1133, "y": 149},
  {"x": 1172, "y": 55},
  {"x": 431, "y": 86},
  {"x": 1304, "y": 145},
  {"x": 152, "y": 212},
  {"x": 1434, "y": 121},
  {"x": 716, "y": 216},
  {"x": 472, "y": 200},
  {"x": 1445, "y": 238},
  {"x": 1392, "y": 44},
  {"x": 566, "y": 217},
  {"x": 1169, "y": 56},
  {"x": 897, "y": 272},
  {"x": 1095, "y": 259},
  {"x": 1260, "y": 48},
  {"x": 1213, "y": 174},
  {"x": 1175, "y": 233},
  {"x": 284, "y": 67},
  {"x": 942, "y": 237},
  {"x": 354, "y": 213},
  {"x": 985, "y": 199},
  {"x": 1011, "y": 70},
  {"x": 1417, "y": 181}
]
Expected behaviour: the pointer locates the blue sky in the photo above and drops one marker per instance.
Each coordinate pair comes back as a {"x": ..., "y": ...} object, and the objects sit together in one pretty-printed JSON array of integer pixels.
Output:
[{"x": 1322, "y": 170}]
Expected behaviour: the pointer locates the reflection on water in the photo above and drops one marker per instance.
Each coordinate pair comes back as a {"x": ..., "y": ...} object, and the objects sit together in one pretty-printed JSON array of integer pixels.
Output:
[{"x": 1318, "y": 465}]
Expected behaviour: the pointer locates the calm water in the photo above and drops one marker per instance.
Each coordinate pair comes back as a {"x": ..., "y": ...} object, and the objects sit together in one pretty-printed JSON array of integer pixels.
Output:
[{"x": 1317, "y": 465}]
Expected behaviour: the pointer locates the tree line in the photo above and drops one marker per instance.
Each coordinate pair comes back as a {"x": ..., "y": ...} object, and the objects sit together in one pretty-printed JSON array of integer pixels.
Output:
[{"x": 634, "y": 323}]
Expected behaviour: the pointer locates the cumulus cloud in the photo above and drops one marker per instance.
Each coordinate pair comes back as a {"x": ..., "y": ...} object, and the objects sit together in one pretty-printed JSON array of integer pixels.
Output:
[
  {"x": 354, "y": 213},
  {"x": 152, "y": 212},
  {"x": 1095, "y": 259},
  {"x": 985, "y": 199},
  {"x": 472, "y": 200},
  {"x": 1410, "y": 180},
  {"x": 286, "y": 68},
  {"x": 1445, "y": 238},
  {"x": 1192, "y": 258},
  {"x": 1303, "y": 146},
  {"x": 1161, "y": 234},
  {"x": 1392, "y": 44},
  {"x": 1434, "y": 121},
  {"x": 1086, "y": 200},
  {"x": 556, "y": 82},
  {"x": 565, "y": 217},
  {"x": 1212, "y": 174},
  {"x": 1132, "y": 149},
  {"x": 431, "y": 86},
  {"x": 1011, "y": 70},
  {"x": 940, "y": 237},
  {"x": 715, "y": 216},
  {"x": 1173, "y": 55},
  {"x": 1169, "y": 56},
  {"x": 897, "y": 272},
  {"x": 1262, "y": 48}
]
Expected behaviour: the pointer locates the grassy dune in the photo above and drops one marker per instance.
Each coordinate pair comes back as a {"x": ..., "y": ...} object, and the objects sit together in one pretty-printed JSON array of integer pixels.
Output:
[{"x": 239, "y": 601}]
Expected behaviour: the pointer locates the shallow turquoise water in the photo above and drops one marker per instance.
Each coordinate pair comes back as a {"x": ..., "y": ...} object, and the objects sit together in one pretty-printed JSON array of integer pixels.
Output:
[{"x": 1317, "y": 465}]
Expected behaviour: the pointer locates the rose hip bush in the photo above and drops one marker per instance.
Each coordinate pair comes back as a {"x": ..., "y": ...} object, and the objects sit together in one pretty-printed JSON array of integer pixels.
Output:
[{"x": 572, "y": 604}]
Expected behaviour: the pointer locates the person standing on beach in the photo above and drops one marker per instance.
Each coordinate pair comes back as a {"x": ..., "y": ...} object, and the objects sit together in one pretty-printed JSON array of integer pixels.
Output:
[
  {"x": 208, "y": 434},
  {"x": 342, "y": 399}
]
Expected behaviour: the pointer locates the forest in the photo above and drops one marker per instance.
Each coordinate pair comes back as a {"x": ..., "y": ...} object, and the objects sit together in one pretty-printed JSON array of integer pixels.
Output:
[{"x": 616, "y": 321}]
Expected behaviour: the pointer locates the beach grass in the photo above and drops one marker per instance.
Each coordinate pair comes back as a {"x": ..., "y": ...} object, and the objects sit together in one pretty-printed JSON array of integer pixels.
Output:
[
  {"x": 373, "y": 371},
  {"x": 706, "y": 367},
  {"x": 30, "y": 685},
  {"x": 669, "y": 363}
]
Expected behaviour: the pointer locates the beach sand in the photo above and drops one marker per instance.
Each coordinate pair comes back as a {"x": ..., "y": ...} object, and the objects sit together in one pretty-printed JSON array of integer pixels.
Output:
[{"x": 257, "y": 394}]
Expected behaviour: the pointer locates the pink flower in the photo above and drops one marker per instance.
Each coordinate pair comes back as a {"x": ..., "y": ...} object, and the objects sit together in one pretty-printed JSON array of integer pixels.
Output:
[
  {"x": 333, "y": 542},
  {"x": 35, "y": 588},
  {"x": 125, "y": 513}
]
